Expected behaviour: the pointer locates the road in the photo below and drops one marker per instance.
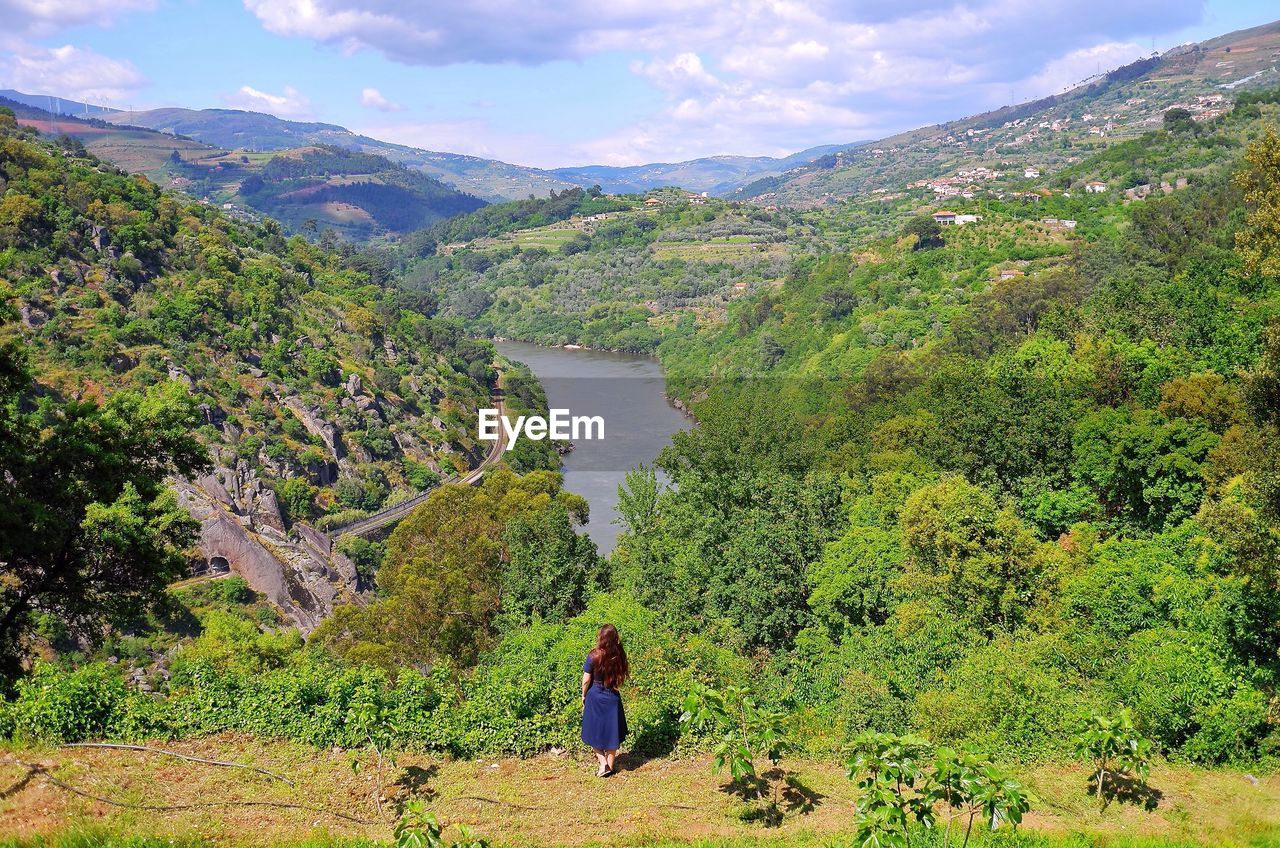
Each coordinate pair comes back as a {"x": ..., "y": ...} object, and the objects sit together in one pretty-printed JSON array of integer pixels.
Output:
[{"x": 396, "y": 513}]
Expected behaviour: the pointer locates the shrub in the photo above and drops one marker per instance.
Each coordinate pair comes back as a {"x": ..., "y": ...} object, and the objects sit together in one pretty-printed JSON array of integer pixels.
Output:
[
  {"x": 1115, "y": 749},
  {"x": 1187, "y": 694},
  {"x": 1010, "y": 695},
  {"x": 56, "y": 705},
  {"x": 903, "y": 779}
]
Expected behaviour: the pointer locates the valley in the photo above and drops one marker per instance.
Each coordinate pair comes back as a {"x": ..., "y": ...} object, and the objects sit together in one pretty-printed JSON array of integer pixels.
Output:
[{"x": 937, "y": 496}]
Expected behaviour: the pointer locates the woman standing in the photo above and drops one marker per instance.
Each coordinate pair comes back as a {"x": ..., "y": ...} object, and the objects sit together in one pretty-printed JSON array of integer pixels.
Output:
[{"x": 604, "y": 725}]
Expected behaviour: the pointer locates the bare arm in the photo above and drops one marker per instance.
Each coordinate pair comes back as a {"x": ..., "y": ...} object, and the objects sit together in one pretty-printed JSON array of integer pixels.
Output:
[{"x": 586, "y": 684}]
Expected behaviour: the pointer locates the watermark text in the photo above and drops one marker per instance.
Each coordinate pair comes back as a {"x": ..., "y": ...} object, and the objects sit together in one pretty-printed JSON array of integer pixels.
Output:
[{"x": 560, "y": 424}]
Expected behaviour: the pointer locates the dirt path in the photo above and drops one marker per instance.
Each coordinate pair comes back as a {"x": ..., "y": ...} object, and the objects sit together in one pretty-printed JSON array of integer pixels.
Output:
[{"x": 544, "y": 800}]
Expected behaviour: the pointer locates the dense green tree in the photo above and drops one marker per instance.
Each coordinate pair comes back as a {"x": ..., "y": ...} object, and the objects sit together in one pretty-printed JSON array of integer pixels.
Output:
[
  {"x": 90, "y": 534},
  {"x": 1258, "y": 242},
  {"x": 971, "y": 554},
  {"x": 927, "y": 232},
  {"x": 638, "y": 499},
  {"x": 1145, "y": 470},
  {"x": 853, "y": 581},
  {"x": 1262, "y": 396},
  {"x": 551, "y": 571},
  {"x": 441, "y": 576},
  {"x": 1179, "y": 120}
]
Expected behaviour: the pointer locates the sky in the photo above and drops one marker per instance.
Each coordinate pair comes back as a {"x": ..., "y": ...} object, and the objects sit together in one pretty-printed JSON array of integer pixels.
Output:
[{"x": 553, "y": 83}]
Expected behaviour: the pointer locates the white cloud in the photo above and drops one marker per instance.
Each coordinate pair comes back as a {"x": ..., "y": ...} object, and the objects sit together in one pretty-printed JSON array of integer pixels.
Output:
[
  {"x": 371, "y": 98},
  {"x": 418, "y": 33},
  {"x": 763, "y": 75},
  {"x": 44, "y": 17},
  {"x": 290, "y": 103},
  {"x": 1078, "y": 65},
  {"x": 72, "y": 72},
  {"x": 682, "y": 72}
]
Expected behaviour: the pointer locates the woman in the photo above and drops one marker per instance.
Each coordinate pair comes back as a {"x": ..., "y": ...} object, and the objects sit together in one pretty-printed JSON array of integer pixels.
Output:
[{"x": 604, "y": 725}]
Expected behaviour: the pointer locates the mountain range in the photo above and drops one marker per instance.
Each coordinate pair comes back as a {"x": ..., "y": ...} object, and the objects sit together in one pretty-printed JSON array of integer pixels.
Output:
[
  {"x": 718, "y": 175},
  {"x": 1043, "y": 135},
  {"x": 488, "y": 179}
]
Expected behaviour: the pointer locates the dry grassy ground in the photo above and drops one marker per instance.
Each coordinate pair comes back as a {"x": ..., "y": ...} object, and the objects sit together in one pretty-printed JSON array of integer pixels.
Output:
[{"x": 547, "y": 800}]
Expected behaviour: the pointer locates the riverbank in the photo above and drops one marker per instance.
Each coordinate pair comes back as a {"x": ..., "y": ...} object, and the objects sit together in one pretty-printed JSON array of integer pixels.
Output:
[{"x": 549, "y": 800}]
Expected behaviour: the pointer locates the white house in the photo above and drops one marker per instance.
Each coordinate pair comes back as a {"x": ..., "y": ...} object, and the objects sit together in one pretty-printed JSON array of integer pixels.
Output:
[{"x": 1095, "y": 187}]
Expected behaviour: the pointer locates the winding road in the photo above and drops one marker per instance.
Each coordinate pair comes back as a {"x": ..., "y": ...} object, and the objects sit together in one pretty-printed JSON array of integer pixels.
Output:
[{"x": 394, "y": 514}]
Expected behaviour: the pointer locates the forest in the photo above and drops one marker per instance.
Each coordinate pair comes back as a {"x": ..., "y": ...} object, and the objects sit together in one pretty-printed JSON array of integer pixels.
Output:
[{"x": 985, "y": 496}]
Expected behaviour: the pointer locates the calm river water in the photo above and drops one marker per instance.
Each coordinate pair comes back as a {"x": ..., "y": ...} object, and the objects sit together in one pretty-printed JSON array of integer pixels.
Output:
[{"x": 627, "y": 391}]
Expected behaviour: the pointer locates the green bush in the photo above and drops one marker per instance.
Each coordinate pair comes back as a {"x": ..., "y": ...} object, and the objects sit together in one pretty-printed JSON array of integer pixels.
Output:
[
  {"x": 523, "y": 698},
  {"x": 56, "y": 705},
  {"x": 1186, "y": 695},
  {"x": 1013, "y": 696}
]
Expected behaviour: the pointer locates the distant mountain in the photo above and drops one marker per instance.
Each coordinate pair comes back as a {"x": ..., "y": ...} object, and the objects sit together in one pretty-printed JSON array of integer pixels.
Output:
[
  {"x": 718, "y": 175},
  {"x": 360, "y": 195},
  {"x": 1044, "y": 135},
  {"x": 55, "y": 105},
  {"x": 488, "y": 179}
]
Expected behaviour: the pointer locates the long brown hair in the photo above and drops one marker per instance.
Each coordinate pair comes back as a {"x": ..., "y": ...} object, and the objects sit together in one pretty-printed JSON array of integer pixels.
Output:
[{"x": 609, "y": 659}]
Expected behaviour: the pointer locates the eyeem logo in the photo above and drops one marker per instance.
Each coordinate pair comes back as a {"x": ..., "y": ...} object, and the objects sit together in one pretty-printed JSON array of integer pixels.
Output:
[{"x": 561, "y": 425}]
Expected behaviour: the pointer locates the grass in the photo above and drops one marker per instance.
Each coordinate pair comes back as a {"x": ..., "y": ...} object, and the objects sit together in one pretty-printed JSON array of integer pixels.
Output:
[{"x": 550, "y": 800}]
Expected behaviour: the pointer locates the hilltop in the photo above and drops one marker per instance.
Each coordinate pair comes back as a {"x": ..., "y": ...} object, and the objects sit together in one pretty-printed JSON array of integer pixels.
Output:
[
  {"x": 254, "y": 132},
  {"x": 717, "y": 175},
  {"x": 318, "y": 187},
  {"x": 56, "y": 105},
  {"x": 1045, "y": 135}
]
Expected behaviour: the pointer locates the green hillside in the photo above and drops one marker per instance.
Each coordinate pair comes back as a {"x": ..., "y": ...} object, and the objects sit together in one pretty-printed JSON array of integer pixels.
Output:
[
  {"x": 254, "y": 132},
  {"x": 1047, "y": 134},
  {"x": 322, "y": 388},
  {"x": 357, "y": 196},
  {"x": 618, "y": 273}
]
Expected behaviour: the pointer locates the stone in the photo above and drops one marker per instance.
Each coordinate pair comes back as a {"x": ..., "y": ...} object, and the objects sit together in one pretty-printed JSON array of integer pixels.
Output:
[
  {"x": 266, "y": 510},
  {"x": 32, "y": 317},
  {"x": 178, "y": 375},
  {"x": 295, "y": 578},
  {"x": 311, "y": 419},
  {"x": 212, "y": 414},
  {"x": 322, "y": 473}
]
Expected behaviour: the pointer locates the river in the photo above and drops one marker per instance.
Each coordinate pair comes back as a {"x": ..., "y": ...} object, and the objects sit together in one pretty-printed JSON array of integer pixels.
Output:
[{"x": 626, "y": 390}]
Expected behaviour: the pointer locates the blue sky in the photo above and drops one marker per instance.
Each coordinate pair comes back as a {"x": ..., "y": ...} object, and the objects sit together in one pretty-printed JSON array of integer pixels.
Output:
[{"x": 581, "y": 81}]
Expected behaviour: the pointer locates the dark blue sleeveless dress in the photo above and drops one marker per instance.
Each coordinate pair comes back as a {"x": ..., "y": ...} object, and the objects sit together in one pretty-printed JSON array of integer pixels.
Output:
[{"x": 604, "y": 724}]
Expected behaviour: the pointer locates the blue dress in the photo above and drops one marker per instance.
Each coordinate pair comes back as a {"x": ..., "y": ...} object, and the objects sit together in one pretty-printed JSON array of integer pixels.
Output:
[{"x": 604, "y": 724}]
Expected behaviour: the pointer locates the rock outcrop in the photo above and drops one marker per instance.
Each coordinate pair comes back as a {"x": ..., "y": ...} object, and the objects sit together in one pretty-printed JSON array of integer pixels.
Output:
[
  {"x": 240, "y": 524},
  {"x": 311, "y": 419}
]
